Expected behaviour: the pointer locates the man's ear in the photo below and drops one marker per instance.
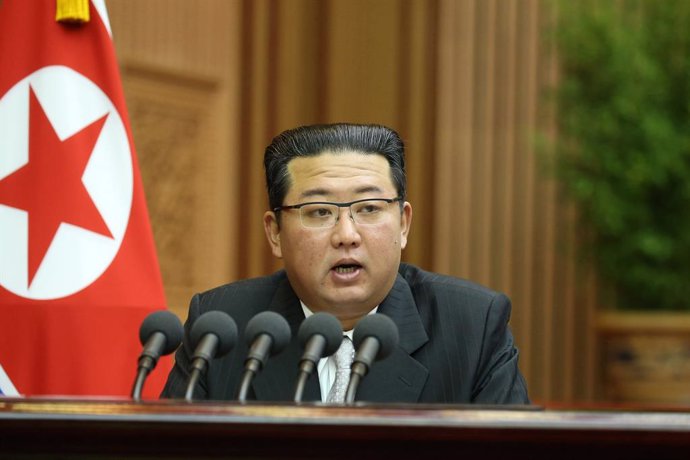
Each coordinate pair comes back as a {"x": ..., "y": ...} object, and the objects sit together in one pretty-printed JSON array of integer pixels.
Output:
[
  {"x": 405, "y": 223},
  {"x": 272, "y": 230}
]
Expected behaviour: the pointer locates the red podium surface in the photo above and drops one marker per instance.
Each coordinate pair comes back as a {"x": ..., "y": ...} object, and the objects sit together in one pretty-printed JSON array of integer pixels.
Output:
[{"x": 49, "y": 428}]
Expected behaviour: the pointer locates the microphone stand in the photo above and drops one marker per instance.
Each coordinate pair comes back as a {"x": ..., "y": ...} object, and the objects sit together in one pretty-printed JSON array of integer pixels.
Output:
[
  {"x": 352, "y": 385},
  {"x": 252, "y": 367},
  {"x": 365, "y": 355},
  {"x": 299, "y": 387},
  {"x": 313, "y": 353},
  {"x": 139, "y": 384},
  {"x": 193, "y": 379},
  {"x": 203, "y": 353},
  {"x": 147, "y": 361},
  {"x": 256, "y": 356}
]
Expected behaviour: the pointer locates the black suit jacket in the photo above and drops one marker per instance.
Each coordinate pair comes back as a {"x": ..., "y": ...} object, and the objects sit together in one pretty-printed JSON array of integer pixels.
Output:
[{"x": 455, "y": 344}]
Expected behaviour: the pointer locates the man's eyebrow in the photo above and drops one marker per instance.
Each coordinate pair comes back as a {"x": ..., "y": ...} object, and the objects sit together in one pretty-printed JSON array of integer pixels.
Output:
[
  {"x": 322, "y": 192},
  {"x": 314, "y": 192},
  {"x": 368, "y": 188}
]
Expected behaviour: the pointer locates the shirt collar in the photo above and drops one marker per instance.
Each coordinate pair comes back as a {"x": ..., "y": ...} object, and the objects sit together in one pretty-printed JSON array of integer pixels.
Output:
[{"x": 308, "y": 313}]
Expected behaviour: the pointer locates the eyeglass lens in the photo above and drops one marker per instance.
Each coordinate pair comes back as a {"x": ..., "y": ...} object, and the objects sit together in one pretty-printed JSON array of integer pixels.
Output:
[{"x": 320, "y": 215}]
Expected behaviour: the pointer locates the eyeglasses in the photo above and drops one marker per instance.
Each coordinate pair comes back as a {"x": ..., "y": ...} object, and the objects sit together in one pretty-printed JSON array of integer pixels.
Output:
[{"x": 324, "y": 214}]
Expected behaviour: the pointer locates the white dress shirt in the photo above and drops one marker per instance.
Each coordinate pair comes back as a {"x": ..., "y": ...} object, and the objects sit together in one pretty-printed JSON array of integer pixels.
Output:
[{"x": 326, "y": 366}]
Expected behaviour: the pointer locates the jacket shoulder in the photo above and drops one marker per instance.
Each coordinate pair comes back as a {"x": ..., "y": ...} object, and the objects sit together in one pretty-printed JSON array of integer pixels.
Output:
[
  {"x": 242, "y": 296},
  {"x": 433, "y": 284}
]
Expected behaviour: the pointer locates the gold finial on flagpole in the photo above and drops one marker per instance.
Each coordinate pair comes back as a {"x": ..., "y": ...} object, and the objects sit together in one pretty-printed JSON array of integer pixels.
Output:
[{"x": 72, "y": 11}]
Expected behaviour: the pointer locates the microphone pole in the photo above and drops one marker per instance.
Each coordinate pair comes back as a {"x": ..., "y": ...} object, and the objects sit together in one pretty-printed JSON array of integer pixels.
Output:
[
  {"x": 374, "y": 338},
  {"x": 160, "y": 334},
  {"x": 267, "y": 334},
  {"x": 320, "y": 335},
  {"x": 213, "y": 335}
]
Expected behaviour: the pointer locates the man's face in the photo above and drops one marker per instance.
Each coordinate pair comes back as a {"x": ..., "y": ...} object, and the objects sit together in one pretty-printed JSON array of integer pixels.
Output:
[{"x": 349, "y": 268}]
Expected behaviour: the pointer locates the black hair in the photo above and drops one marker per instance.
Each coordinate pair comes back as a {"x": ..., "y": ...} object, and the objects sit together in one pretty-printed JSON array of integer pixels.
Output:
[{"x": 313, "y": 140}]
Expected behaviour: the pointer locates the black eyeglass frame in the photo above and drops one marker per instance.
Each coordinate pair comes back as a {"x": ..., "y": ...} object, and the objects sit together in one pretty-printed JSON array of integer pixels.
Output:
[{"x": 340, "y": 205}]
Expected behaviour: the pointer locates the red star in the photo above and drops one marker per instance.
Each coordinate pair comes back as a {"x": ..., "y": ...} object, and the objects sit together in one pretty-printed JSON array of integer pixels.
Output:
[{"x": 49, "y": 186}]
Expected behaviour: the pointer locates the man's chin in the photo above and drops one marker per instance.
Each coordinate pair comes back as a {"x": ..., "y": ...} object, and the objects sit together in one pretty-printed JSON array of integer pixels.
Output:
[{"x": 357, "y": 303}]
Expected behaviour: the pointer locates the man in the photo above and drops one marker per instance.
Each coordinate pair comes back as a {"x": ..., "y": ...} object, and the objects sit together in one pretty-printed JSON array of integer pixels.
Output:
[{"x": 339, "y": 221}]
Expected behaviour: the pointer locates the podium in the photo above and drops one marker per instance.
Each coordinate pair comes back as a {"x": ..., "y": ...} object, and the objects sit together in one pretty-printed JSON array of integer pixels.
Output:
[{"x": 37, "y": 428}]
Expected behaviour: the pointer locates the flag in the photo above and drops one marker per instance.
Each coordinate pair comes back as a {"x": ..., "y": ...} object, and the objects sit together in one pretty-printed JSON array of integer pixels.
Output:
[
  {"x": 6, "y": 386},
  {"x": 78, "y": 267}
]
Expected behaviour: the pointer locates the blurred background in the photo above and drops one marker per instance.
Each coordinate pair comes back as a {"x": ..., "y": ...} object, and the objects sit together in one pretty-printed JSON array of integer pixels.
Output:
[{"x": 482, "y": 92}]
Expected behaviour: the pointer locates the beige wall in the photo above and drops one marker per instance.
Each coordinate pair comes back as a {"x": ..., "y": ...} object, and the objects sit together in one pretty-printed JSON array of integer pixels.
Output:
[{"x": 209, "y": 83}]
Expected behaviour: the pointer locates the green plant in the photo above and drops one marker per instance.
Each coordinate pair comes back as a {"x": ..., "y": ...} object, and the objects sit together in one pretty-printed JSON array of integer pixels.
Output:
[{"x": 623, "y": 142}]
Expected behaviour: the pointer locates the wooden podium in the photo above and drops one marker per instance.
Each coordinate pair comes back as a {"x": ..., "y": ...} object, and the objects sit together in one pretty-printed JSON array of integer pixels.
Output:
[{"x": 50, "y": 428}]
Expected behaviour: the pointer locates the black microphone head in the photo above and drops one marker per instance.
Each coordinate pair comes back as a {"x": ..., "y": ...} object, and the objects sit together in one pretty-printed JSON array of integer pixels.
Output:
[
  {"x": 219, "y": 324},
  {"x": 324, "y": 324},
  {"x": 380, "y": 327},
  {"x": 272, "y": 324},
  {"x": 165, "y": 322}
]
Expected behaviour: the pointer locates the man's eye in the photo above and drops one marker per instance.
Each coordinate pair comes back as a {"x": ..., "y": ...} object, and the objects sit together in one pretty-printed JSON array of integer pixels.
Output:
[
  {"x": 319, "y": 212},
  {"x": 369, "y": 208}
]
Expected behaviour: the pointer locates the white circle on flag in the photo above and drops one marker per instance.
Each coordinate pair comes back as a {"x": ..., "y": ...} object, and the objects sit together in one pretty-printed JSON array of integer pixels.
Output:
[{"x": 76, "y": 257}]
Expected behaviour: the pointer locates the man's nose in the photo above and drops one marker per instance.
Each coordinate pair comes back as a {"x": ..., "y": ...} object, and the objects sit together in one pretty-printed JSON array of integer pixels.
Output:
[{"x": 345, "y": 231}]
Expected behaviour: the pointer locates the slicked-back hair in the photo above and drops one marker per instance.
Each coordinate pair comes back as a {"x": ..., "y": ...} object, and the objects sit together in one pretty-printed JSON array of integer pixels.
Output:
[{"x": 313, "y": 140}]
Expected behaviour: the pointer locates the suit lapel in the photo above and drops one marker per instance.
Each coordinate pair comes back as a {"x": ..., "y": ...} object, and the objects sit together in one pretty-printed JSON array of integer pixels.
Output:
[
  {"x": 398, "y": 378},
  {"x": 276, "y": 382}
]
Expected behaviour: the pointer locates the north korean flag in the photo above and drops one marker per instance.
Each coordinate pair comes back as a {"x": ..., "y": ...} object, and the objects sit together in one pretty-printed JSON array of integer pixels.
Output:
[{"x": 78, "y": 267}]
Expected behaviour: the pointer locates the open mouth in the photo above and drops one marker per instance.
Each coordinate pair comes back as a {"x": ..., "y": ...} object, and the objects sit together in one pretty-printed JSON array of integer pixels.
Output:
[{"x": 345, "y": 269}]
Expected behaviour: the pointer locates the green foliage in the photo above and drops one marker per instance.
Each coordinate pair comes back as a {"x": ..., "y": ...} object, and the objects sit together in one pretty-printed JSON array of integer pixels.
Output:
[{"x": 623, "y": 146}]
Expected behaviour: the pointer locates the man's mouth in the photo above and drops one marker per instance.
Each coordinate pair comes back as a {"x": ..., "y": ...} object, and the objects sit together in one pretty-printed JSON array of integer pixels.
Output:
[{"x": 346, "y": 268}]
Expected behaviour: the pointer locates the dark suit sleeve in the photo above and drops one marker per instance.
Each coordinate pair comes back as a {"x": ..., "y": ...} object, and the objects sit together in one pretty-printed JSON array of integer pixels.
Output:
[
  {"x": 176, "y": 385},
  {"x": 499, "y": 379}
]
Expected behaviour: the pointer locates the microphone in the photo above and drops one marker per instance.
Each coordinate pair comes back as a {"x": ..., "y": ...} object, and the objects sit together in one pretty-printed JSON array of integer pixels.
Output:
[
  {"x": 320, "y": 335},
  {"x": 160, "y": 334},
  {"x": 213, "y": 335},
  {"x": 266, "y": 334},
  {"x": 374, "y": 338}
]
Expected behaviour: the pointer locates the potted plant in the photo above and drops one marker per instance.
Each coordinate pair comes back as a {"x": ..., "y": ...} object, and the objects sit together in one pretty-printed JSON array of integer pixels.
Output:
[{"x": 622, "y": 153}]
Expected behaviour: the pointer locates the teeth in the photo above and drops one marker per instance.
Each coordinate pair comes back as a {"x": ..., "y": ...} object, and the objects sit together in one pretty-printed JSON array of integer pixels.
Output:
[{"x": 345, "y": 269}]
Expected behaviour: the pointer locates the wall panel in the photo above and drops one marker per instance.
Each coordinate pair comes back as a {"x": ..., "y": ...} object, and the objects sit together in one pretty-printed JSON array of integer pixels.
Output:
[
  {"x": 509, "y": 228},
  {"x": 179, "y": 63}
]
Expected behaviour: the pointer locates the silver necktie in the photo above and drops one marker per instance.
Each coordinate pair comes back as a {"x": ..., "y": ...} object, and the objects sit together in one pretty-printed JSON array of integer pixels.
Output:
[{"x": 343, "y": 361}]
